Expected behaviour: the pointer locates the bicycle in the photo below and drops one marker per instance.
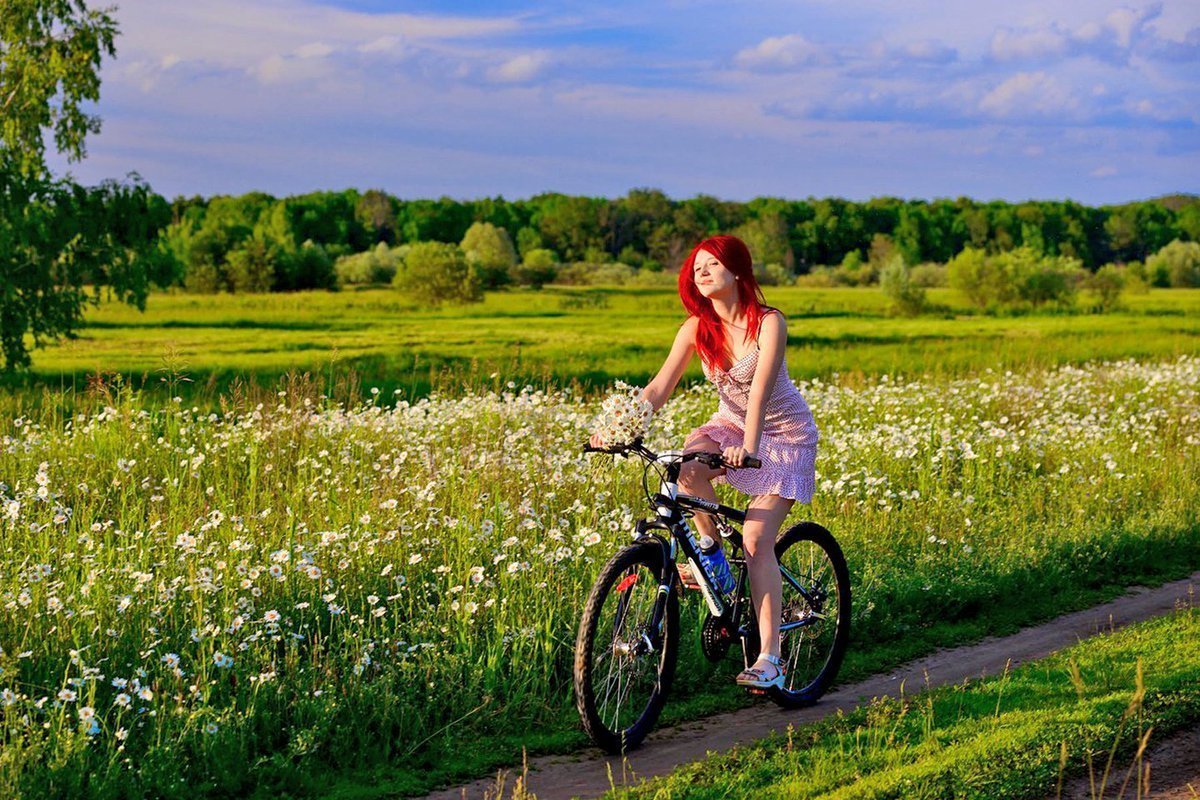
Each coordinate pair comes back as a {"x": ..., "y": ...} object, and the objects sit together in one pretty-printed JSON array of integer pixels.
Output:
[{"x": 628, "y": 639}]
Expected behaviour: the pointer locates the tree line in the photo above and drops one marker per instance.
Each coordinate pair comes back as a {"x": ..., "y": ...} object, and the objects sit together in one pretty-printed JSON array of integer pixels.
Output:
[{"x": 218, "y": 242}]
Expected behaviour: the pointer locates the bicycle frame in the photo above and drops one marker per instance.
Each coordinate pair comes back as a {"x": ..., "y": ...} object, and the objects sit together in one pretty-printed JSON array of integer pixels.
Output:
[{"x": 672, "y": 507}]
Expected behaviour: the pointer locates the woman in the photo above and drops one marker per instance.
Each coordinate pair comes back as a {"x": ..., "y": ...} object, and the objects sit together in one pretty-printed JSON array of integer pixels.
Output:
[{"x": 741, "y": 342}]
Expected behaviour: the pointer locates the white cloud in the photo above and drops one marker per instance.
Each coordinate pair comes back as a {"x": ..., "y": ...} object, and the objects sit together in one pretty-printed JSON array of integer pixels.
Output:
[
  {"x": 781, "y": 53},
  {"x": 313, "y": 50},
  {"x": 1028, "y": 93},
  {"x": 519, "y": 69},
  {"x": 1008, "y": 45},
  {"x": 1106, "y": 171}
]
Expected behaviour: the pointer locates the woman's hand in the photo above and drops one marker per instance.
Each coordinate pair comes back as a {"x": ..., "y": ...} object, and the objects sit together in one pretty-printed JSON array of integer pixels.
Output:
[
  {"x": 737, "y": 455},
  {"x": 596, "y": 441}
]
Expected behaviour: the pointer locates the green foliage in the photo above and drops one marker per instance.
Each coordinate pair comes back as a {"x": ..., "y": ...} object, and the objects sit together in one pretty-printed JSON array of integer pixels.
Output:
[
  {"x": 490, "y": 253},
  {"x": 1107, "y": 284},
  {"x": 528, "y": 239},
  {"x": 56, "y": 237},
  {"x": 436, "y": 273},
  {"x": 1177, "y": 264},
  {"x": 376, "y": 212},
  {"x": 251, "y": 267},
  {"x": 772, "y": 274},
  {"x": 584, "y": 273},
  {"x": 767, "y": 238},
  {"x": 1040, "y": 280},
  {"x": 929, "y": 275},
  {"x": 906, "y": 297},
  {"x": 1019, "y": 277},
  {"x": 308, "y": 267},
  {"x": 538, "y": 268},
  {"x": 50, "y": 54},
  {"x": 377, "y": 265},
  {"x": 979, "y": 278}
]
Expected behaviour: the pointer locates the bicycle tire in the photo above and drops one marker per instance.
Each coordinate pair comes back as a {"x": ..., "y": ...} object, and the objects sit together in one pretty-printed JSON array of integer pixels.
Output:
[
  {"x": 602, "y": 724},
  {"x": 834, "y": 570}
]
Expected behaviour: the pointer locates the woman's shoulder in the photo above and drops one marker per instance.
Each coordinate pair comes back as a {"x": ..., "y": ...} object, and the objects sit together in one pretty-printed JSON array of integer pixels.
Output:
[{"x": 773, "y": 316}]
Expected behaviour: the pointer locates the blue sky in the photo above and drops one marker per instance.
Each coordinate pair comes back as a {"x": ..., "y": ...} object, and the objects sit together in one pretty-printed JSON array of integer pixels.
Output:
[{"x": 1090, "y": 100}]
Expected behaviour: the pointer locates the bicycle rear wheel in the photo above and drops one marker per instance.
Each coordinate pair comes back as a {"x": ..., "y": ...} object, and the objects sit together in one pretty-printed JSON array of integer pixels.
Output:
[
  {"x": 624, "y": 660},
  {"x": 815, "y": 629}
]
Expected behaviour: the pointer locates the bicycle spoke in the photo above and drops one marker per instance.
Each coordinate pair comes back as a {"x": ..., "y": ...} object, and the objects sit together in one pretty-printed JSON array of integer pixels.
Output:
[
  {"x": 622, "y": 660},
  {"x": 809, "y": 595}
]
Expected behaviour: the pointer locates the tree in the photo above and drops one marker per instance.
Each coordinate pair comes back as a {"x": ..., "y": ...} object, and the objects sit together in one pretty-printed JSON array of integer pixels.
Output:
[
  {"x": 895, "y": 279},
  {"x": 1179, "y": 262},
  {"x": 490, "y": 253},
  {"x": 50, "y": 55},
  {"x": 979, "y": 277},
  {"x": 436, "y": 273}
]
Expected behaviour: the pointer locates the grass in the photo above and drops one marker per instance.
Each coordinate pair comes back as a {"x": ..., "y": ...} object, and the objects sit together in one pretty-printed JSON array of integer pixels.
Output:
[
  {"x": 1088, "y": 710},
  {"x": 331, "y": 600},
  {"x": 561, "y": 335}
]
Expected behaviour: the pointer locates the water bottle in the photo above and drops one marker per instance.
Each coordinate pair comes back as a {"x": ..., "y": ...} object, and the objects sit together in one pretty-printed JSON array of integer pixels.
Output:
[{"x": 712, "y": 558}]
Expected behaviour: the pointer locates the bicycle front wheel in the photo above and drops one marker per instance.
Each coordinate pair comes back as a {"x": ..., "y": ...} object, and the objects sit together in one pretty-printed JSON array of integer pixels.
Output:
[
  {"x": 815, "y": 625},
  {"x": 626, "y": 648}
]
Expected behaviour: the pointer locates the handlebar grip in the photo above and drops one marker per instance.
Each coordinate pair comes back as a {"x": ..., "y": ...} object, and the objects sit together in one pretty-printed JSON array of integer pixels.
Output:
[{"x": 752, "y": 462}]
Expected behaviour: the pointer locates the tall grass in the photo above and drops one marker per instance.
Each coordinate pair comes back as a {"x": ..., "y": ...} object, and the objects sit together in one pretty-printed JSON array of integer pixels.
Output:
[{"x": 205, "y": 603}]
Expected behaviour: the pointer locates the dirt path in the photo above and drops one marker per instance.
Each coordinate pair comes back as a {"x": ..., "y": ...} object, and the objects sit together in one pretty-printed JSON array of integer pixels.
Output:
[
  {"x": 586, "y": 774},
  {"x": 1174, "y": 773}
]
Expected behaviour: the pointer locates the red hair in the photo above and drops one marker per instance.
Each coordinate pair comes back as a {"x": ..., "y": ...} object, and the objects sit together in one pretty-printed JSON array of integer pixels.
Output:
[{"x": 710, "y": 335}]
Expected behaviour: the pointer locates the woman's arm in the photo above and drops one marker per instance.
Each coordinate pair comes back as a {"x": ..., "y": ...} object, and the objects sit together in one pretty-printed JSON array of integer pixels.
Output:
[
  {"x": 772, "y": 341},
  {"x": 659, "y": 389}
]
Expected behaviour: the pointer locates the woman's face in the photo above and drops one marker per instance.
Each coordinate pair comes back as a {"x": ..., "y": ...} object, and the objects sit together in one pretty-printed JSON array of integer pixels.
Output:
[{"x": 710, "y": 275}]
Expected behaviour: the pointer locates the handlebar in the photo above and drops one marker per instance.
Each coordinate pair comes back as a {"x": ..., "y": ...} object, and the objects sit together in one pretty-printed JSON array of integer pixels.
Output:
[{"x": 711, "y": 460}]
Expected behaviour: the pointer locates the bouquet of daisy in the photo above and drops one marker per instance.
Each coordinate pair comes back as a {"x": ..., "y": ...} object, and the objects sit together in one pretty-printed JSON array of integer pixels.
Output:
[{"x": 624, "y": 416}]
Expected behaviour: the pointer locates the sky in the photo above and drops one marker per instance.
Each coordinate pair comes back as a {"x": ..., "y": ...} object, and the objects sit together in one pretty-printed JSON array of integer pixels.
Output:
[{"x": 1090, "y": 100}]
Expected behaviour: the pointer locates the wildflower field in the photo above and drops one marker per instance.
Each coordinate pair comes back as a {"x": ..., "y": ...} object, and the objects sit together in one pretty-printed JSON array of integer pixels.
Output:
[{"x": 294, "y": 595}]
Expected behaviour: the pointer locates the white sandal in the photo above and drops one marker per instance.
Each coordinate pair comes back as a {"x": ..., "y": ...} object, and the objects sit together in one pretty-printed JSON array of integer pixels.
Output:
[{"x": 755, "y": 677}]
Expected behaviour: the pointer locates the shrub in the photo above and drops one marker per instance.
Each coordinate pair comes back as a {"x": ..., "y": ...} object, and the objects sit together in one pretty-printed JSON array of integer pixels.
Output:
[
  {"x": 1177, "y": 264},
  {"x": 308, "y": 267},
  {"x": 647, "y": 277},
  {"x": 822, "y": 277},
  {"x": 1137, "y": 281},
  {"x": 204, "y": 278},
  {"x": 772, "y": 275},
  {"x": 251, "y": 267},
  {"x": 377, "y": 265},
  {"x": 929, "y": 275},
  {"x": 979, "y": 278},
  {"x": 1107, "y": 283},
  {"x": 896, "y": 281},
  {"x": 538, "y": 269},
  {"x": 585, "y": 273},
  {"x": 436, "y": 273},
  {"x": 1038, "y": 279},
  {"x": 490, "y": 253}
]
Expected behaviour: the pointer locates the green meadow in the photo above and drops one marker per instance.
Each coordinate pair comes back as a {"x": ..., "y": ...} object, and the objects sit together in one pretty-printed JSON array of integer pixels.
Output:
[
  {"x": 291, "y": 591},
  {"x": 562, "y": 335}
]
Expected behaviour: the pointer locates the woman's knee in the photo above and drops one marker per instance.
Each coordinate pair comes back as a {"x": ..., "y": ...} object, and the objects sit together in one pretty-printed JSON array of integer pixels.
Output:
[
  {"x": 759, "y": 544},
  {"x": 693, "y": 473}
]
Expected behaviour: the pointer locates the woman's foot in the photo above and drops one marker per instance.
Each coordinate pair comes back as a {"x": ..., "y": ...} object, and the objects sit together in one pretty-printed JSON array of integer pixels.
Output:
[{"x": 765, "y": 673}]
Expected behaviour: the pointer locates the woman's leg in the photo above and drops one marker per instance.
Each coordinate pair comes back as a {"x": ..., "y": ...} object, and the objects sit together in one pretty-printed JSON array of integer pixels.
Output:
[
  {"x": 763, "y": 518},
  {"x": 696, "y": 479}
]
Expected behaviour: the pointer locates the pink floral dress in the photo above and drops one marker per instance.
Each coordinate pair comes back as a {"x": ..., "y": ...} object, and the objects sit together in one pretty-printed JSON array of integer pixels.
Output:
[{"x": 788, "y": 445}]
